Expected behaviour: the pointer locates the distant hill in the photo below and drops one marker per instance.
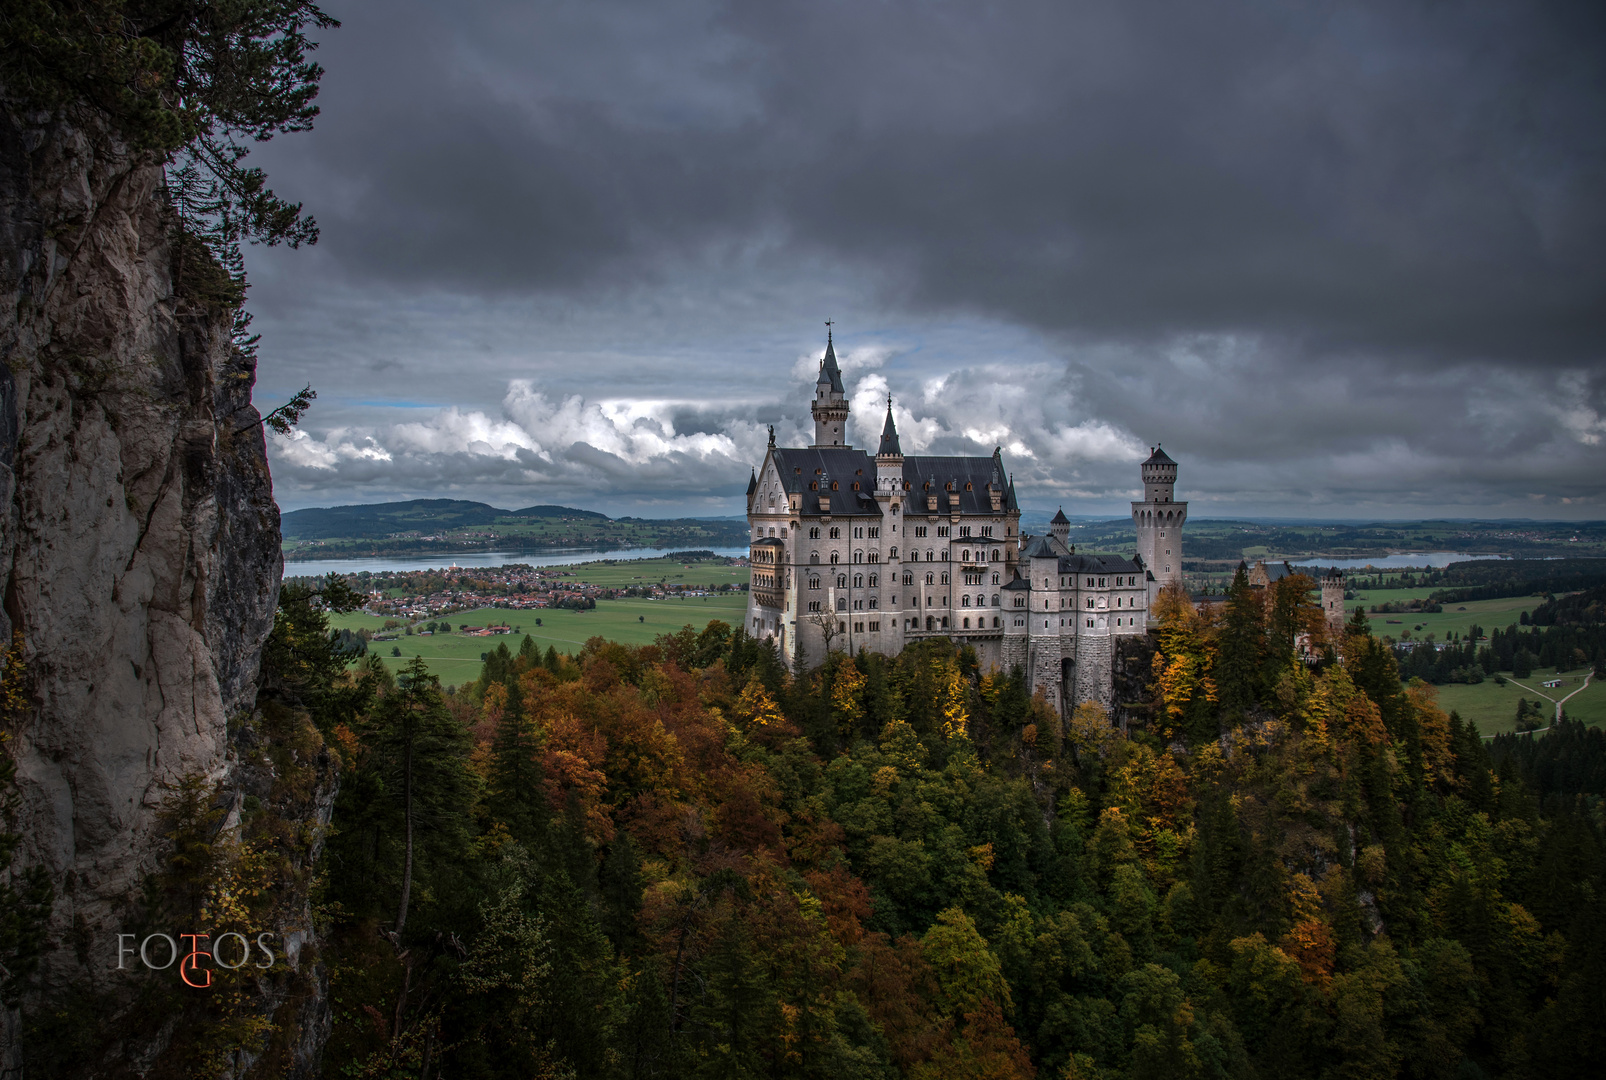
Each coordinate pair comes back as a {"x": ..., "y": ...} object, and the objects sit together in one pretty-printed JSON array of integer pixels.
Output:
[{"x": 421, "y": 515}]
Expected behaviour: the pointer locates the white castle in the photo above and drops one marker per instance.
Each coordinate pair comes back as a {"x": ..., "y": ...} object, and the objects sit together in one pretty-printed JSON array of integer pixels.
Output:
[{"x": 853, "y": 552}]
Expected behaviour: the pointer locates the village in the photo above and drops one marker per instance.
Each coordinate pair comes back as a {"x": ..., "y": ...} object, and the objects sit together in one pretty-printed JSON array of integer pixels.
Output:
[{"x": 405, "y": 599}]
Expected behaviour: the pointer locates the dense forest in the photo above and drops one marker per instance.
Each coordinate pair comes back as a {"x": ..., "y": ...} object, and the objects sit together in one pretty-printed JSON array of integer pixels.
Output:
[{"x": 680, "y": 860}]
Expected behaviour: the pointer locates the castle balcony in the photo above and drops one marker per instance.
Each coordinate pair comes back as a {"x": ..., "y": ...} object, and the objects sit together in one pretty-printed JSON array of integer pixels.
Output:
[{"x": 769, "y": 597}]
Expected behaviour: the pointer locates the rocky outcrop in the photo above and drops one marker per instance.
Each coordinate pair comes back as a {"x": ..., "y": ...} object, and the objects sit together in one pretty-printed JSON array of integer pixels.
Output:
[{"x": 139, "y": 540}]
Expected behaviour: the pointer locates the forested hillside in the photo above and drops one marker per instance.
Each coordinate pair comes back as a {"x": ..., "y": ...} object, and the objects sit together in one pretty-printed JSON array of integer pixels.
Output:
[{"x": 678, "y": 860}]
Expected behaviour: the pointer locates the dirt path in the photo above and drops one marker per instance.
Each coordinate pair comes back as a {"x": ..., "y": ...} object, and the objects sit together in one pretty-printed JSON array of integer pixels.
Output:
[{"x": 1558, "y": 702}]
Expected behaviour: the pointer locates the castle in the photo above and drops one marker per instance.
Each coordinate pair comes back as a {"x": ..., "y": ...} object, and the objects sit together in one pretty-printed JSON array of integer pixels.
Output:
[{"x": 853, "y": 551}]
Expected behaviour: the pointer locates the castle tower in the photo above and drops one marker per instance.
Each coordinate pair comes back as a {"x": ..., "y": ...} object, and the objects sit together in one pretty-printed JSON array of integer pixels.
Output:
[
  {"x": 830, "y": 406},
  {"x": 1060, "y": 529},
  {"x": 889, "y": 458},
  {"x": 1333, "y": 602},
  {"x": 1158, "y": 520}
]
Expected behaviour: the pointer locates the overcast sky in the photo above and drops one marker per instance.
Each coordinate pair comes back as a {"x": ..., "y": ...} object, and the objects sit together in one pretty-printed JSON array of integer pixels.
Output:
[{"x": 1343, "y": 259}]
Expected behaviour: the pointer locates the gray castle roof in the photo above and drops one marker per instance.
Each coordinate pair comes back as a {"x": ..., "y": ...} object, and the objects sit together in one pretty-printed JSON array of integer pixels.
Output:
[
  {"x": 1159, "y": 457},
  {"x": 1060, "y": 518},
  {"x": 845, "y": 465},
  {"x": 830, "y": 374}
]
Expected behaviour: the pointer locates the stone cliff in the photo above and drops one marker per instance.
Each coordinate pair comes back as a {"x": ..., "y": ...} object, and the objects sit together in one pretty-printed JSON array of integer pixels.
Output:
[{"x": 139, "y": 560}]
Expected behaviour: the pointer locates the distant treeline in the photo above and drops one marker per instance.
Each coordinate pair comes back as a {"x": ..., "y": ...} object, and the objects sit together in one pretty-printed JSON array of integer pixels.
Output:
[{"x": 1490, "y": 579}]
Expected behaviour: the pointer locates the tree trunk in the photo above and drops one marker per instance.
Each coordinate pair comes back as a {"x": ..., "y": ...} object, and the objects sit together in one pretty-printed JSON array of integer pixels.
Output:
[{"x": 407, "y": 866}]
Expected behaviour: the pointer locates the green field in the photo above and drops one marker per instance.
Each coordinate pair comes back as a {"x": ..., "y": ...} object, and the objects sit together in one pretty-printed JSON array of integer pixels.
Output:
[
  {"x": 1489, "y": 614},
  {"x": 1494, "y": 708},
  {"x": 455, "y": 657}
]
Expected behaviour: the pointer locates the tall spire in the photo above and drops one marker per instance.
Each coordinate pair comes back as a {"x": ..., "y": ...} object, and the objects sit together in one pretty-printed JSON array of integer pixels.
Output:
[
  {"x": 830, "y": 374},
  {"x": 889, "y": 435}
]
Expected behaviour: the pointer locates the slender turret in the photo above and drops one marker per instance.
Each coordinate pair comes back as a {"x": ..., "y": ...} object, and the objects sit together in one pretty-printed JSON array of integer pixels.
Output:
[{"x": 830, "y": 405}]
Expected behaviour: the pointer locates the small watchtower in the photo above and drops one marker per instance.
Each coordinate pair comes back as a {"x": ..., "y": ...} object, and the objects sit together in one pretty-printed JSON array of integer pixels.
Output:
[
  {"x": 1333, "y": 601},
  {"x": 1060, "y": 529}
]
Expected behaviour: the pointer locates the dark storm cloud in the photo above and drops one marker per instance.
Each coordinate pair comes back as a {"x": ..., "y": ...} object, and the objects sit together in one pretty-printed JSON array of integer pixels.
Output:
[
  {"x": 1340, "y": 254},
  {"x": 1420, "y": 178}
]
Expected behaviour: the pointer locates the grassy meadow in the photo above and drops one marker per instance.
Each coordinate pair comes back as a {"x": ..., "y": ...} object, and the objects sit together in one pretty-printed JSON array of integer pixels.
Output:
[{"x": 455, "y": 657}]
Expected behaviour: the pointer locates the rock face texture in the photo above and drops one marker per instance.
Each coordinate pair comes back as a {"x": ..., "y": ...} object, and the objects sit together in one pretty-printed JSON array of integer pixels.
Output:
[{"x": 139, "y": 541}]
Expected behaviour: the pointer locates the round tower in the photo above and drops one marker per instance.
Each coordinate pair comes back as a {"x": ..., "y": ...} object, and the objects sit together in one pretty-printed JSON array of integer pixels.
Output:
[
  {"x": 1158, "y": 520},
  {"x": 830, "y": 405},
  {"x": 1333, "y": 601}
]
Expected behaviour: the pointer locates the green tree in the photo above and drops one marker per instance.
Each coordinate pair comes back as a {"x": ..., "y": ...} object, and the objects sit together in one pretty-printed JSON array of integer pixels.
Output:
[{"x": 1242, "y": 643}]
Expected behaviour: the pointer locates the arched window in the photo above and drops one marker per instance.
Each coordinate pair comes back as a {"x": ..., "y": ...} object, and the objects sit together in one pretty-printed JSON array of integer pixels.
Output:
[
  {"x": 967, "y": 624},
  {"x": 814, "y": 534},
  {"x": 995, "y": 601},
  {"x": 893, "y": 554},
  {"x": 875, "y": 579},
  {"x": 872, "y": 603},
  {"x": 834, "y": 557},
  {"x": 945, "y": 577},
  {"x": 964, "y": 601},
  {"x": 995, "y": 579},
  {"x": 814, "y": 557},
  {"x": 966, "y": 555},
  {"x": 908, "y": 578},
  {"x": 842, "y": 581},
  {"x": 858, "y": 581},
  {"x": 931, "y": 579},
  {"x": 814, "y": 583},
  {"x": 996, "y": 621},
  {"x": 858, "y": 556},
  {"x": 931, "y": 556},
  {"x": 842, "y": 603},
  {"x": 995, "y": 554}
]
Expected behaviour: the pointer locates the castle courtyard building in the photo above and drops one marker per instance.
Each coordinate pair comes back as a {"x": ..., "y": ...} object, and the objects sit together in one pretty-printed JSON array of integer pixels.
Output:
[{"x": 853, "y": 551}]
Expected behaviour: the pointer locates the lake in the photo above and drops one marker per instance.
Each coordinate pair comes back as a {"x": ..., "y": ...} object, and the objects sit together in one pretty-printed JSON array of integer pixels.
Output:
[
  {"x": 380, "y": 564},
  {"x": 1398, "y": 561}
]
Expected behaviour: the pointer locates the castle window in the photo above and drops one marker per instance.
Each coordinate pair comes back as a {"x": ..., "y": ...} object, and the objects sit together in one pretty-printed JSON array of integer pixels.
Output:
[
  {"x": 995, "y": 579},
  {"x": 997, "y": 621},
  {"x": 872, "y": 603},
  {"x": 875, "y": 579},
  {"x": 1020, "y": 622},
  {"x": 842, "y": 581},
  {"x": 964, "y": 530},
  {"x": 942, "y": 530},
  {"x": 875, "y": 556},
  {"x": 1090, "y": 601},
  {"x": 893, "y": 554},
  {"x": 842, "y": 605},
  {"x": 814, "y": 533},
  {"x": 814, "y": 557},
  {"x": 858, "y": 556},
  {"x": 931, "y": 579},
  {"x": 814, "y": 583},
  {"x": 833, "y": 485},
  {"x": 920, "y": 530},
  {"x": 930, "y": 555},
  {"x": 967, "y": 624},
  {"x": 858, "y": 581},
  {"x": 1101, "y": 583},
  {"x": 1090, "y": 622},
  {"x": 965, "y": 602},
  {"x": 814, "y": 605},
  {"x": 1090, "y": 583},
  {"x": 858, "y": 533},
  {"x": 858, "y": 628},
  {"x": 875, "y": 624},
  {"x": 855, "y": 486},
  {"x": 875, "y": 532},
  {"x": 987, "y": 530},
  {"x": 995, "y": 601},
  {"x": 834, "y": 557},
  {"x": 908, "y": 578},
  {"x": 965, "y": 557},
  {"x": 945, "y": 577},
  {"x": 967, "y": 485},
  {"x": 814, "y": 485},
  {"x": 836, "y": 533},
  {"x": 858, "y": 605}
]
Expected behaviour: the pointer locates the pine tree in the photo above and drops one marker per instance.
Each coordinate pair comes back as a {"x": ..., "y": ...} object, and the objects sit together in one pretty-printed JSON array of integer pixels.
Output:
[
  {"x": 516, "y": 797},
  {"x": 1242, "y": 641}
]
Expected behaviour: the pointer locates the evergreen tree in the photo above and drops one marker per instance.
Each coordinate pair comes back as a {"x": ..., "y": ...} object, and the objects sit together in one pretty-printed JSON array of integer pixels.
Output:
[{"x": 1238, "y": 660}]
